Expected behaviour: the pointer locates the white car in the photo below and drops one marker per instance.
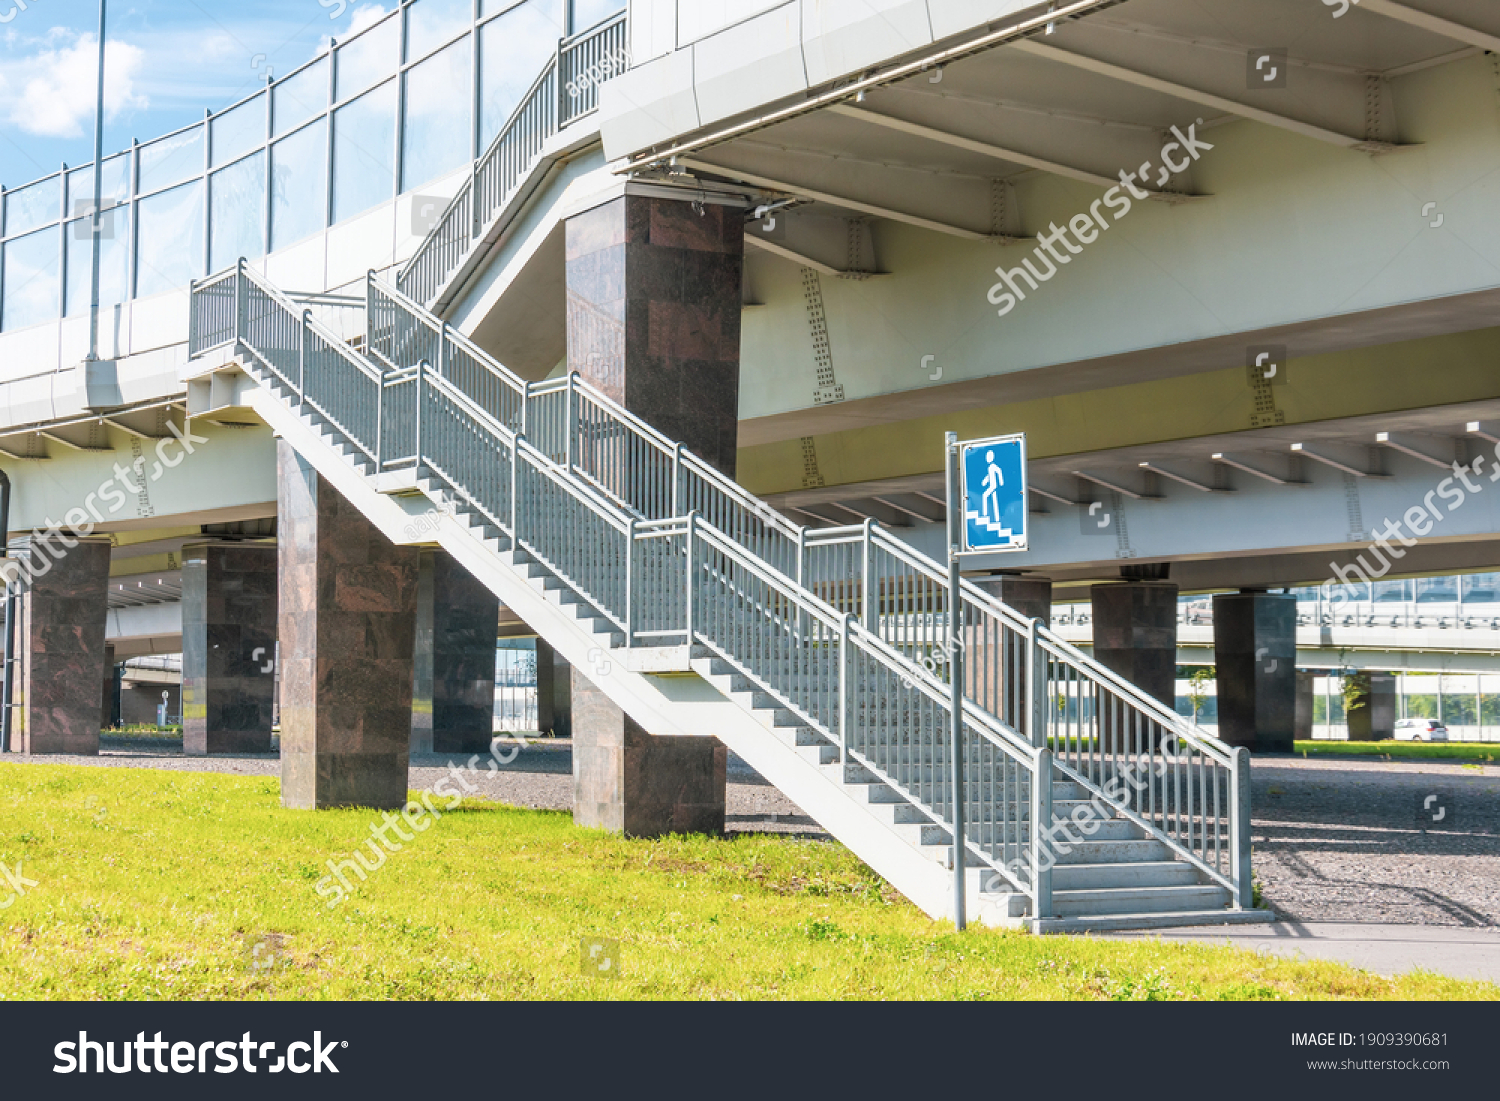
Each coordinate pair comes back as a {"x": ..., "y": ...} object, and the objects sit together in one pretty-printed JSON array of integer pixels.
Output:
[{"x": 1421, "y": 730}]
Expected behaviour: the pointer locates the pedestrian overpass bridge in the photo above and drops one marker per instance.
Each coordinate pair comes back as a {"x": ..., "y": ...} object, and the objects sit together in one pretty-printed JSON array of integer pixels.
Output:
[{"x": 656, "y": 346}]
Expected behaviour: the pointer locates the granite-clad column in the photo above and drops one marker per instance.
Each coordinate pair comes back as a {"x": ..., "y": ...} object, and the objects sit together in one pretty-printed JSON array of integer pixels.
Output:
[
  {"x": 995, "y": 671},
  {"x": 654, "y": 315},
  {"x": 228, "y": 647},
  {"x": 60, "y": 643},
  {"x": 653, "y": 300},
  {"x": 453, "y": 704},
  {"x": 1135, "y": 636},
  {"x": 347, "y": 623},
  {"x": 1255, "y": 662},
  {"x": 554, "y": 692},
  {"x": 107, "y": 703},
  {"x": 633, "y": 782},
  {"x": 1305, "y": 697}
]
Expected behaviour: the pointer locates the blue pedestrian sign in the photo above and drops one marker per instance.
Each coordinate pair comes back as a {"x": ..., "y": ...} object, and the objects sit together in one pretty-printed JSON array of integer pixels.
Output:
[{"x": 992, "y": 489}]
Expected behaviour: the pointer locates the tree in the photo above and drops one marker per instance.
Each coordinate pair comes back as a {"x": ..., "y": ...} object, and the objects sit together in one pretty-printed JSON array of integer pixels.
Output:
[{"x": 1198, "y": 684}]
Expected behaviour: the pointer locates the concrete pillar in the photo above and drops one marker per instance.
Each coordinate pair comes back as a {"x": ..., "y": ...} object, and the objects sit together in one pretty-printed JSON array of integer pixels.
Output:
[
  {"x": 1255, "y": 659},
  {"x": 632, "y": 782},
  {"x": 107, "y": 704},
  {"x": 347, "y": 623},
  {"x": 653, "y": 301},
  {"x": 1305, "y": 698},
  {"x": 654, "y": 315},
  {"x": 1135, "y": 635},
  {"x": 453, "y": 702},
  {"x": 554, "y": 692},
  {"x": 60, "y": 643},
  {"x": 228, "y": 647},
  {"x": 995, "y": 669}
]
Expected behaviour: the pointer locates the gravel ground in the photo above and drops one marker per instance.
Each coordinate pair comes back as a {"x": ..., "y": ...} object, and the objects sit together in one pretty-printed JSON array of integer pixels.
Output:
[
  {"x": 1335, "y": 840},
  {"x": 1342, "y": 841}
]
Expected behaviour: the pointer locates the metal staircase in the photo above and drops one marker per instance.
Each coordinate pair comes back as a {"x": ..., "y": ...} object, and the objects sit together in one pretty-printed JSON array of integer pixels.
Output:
[
  {"x": 564, "y": 92},
  {"x": 817, "y": 653}
]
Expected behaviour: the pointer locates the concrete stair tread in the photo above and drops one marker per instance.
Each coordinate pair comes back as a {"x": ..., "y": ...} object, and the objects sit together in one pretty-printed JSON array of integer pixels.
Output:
[{"x": 1165, "y": 919}]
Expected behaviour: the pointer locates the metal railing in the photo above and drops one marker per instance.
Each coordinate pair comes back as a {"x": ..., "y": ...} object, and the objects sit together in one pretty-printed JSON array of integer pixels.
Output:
[
  {"x": 545, "y": 109},
  {"x": 849, "y": 628}
]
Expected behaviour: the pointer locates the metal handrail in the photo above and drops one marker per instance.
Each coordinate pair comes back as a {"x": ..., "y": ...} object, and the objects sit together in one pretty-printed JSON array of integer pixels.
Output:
[
  {"x": 540, "y": 114},
  {"x": 820, "y": 619}
]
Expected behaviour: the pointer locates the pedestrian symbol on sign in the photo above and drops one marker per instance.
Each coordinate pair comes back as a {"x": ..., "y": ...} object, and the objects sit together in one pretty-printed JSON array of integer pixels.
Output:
[{"x": 993, "y": 491}]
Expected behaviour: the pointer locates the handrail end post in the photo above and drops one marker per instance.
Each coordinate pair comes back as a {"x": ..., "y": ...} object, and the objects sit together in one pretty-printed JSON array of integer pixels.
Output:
[
  {"x": 1040, "y": 835},
  {"x": 1239, "y": 828}
]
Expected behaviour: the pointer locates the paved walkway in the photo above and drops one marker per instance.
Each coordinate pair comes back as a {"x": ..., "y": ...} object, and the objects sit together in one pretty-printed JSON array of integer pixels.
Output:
[{"x": 1463, "y": 953}]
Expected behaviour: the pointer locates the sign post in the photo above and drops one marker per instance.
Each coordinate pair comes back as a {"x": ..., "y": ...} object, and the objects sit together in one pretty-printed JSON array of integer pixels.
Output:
[{"x": 986, "y": 482}]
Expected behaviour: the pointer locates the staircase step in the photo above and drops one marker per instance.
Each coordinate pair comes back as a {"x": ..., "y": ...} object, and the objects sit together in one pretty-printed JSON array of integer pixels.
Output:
[
  {"x": 1160, "y": 919},
  {"x": 1152, "y": 873},
  {"x": 1138, "y": 900},
  {"x": 1115, "y": 852}
]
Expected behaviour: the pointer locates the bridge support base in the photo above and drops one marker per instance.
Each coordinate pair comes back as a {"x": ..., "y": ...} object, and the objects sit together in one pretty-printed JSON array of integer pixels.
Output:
[
  {"x": 228, "y": 647},
  {"x": 1135, "y": 635},
  {"x": 1255, "y": 661},
  {"x": 633, "y": 782},
  {"x": 453, "y": 703},
  {"x": 999, "y": 680},
  {"x": 347, "y": 626},
  {"x": 60, "y": 645},
  {"x": 554, "y": 692}
]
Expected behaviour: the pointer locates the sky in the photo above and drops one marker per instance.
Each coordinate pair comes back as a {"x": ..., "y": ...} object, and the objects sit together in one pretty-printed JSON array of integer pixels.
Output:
[{"x": 166, "y": 61}]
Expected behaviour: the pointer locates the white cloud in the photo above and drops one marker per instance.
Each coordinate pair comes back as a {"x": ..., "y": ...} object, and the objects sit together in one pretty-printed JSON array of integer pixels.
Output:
[
  {"x": 366, "y": 15},
  {"x": 51, "y": 93}
]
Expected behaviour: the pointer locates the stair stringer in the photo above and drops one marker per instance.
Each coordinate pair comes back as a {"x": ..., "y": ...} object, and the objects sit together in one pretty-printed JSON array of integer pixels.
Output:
[{"x": 666, "y": 705}]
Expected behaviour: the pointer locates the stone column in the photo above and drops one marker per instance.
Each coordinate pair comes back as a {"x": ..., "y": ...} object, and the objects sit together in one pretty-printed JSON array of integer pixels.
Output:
[
  {"x": 1255, "y": 658},
  {"x": 60, "y": 643},
  {"x": 107, "y": 704},
  {"x": 632, "y": 782},
  {"x": 348, "y": 601},
  {"x": 554, "y": 692},
  {"x": 453, "y": 705},
  {"x": 995, "y": 670},
  {"x": 653, "y": 301},
  {"x": 1305, "y": 697},
  {"x": 228, "y": 647},
  {"x": 654, "y": 315},
  {"x": 1135, "y": 635}
]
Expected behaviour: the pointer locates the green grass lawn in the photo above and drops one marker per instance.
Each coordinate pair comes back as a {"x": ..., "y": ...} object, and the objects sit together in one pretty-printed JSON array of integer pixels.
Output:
[
  {"x": 1404, "y": 751},
  {"x": 155, "y": 884}
]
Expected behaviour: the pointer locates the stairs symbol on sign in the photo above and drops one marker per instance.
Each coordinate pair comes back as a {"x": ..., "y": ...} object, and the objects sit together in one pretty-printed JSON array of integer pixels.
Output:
[{"x": 989, "y": 519}]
